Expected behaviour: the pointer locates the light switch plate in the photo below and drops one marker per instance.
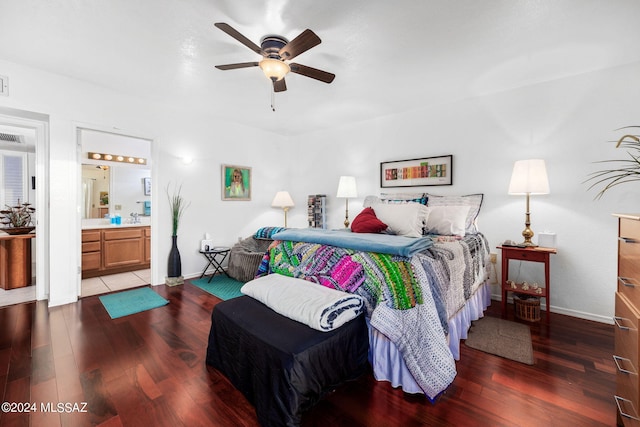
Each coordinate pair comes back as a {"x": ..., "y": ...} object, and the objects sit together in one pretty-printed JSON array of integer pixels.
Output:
[{"x": 4, "y": 85}]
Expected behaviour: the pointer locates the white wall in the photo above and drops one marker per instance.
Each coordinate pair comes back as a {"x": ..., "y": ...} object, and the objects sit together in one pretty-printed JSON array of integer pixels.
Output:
[
  {"x": 567, "y": 122},
  {"x": 175, "y": 133}
]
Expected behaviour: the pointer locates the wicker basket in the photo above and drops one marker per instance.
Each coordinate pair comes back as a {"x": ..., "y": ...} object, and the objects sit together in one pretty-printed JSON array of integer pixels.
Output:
[{"x": 527, "y": 307}]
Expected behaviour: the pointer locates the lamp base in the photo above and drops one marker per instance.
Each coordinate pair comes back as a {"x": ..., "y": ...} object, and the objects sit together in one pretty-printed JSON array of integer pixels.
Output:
[
  {"x": 346, "y": 214},
  {"x": 527, "y": 233}
]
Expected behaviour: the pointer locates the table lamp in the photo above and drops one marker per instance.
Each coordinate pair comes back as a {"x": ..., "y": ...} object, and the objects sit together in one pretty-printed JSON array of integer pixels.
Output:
[
  {"x": 283, "y": 200},
  {"x": 529, "y": 177},
  {"x": 346, "y": 189}
]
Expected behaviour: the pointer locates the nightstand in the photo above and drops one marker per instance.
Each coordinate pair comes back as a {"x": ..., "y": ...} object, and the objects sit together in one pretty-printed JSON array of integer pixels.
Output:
[
  {"x": 215, "y": 258},
  {"x": 531, "y": 254}
]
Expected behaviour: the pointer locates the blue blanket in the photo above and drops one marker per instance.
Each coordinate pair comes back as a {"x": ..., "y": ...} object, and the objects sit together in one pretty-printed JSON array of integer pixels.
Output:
[{"x": 365, "y": 242}]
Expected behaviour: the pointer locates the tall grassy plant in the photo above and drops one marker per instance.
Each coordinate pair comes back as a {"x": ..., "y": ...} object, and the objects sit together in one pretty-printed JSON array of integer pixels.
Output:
[
  {"x": 178, "y": 206},
  {"x": 628, "y": 169}
]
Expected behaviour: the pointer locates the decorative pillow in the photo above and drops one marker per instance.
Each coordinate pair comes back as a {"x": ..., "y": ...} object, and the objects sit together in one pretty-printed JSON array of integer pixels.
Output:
[
  {"x": 406, "y": 219},
  {"x": 267, "y": 232},
  {"x": 370, "y": 201},
  {"x": 474, "y": 201},
  {"x": 404, "y": 198},
  {"x": 420, "y": 198},
  {"x": 447, "y": 220},
  {"x": 367, "y": 222}
]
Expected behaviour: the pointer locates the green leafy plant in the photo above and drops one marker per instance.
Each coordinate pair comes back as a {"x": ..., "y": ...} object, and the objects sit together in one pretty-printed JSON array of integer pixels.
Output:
[
  {"x": 178, "y": 206},
  {"x": 628, "y": 170},
  {"x": 17, "y": 216}
]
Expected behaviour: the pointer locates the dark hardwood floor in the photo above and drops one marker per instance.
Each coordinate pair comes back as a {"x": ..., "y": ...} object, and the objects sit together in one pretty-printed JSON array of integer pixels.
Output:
[{"x": 148, "y": 370}]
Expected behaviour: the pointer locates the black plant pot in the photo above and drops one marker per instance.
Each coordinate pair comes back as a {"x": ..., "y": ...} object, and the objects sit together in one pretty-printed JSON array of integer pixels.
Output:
[{"x": 174, "y": 267}]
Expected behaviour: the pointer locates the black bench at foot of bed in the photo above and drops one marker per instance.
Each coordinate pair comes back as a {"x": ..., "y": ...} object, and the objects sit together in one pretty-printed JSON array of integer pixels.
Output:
[{"x": 282, "y": 367}]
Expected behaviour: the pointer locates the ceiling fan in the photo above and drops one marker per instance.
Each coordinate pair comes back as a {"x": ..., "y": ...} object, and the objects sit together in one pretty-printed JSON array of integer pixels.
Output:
[{"x": 276, "y": 50}]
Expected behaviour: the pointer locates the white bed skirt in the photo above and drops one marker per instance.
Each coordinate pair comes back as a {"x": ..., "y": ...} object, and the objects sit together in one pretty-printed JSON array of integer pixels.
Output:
[{"x": 387, "y": 362}]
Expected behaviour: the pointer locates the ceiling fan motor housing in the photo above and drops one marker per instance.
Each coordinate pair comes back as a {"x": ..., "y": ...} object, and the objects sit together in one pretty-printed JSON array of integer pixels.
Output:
[{"x": 272, "y": 44}]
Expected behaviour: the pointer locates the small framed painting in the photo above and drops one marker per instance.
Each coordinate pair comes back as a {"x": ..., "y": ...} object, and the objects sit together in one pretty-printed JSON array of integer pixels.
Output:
[
  {"x": 417, "y": 172},
  {"x": 147, "y": 186},
  {"x": 236, "y": 182}
]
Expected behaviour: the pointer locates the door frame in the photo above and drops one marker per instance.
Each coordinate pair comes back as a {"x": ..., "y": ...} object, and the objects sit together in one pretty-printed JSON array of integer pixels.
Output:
[
  {"x": 40, "y": 124},
  {"x": 78, "y": 128}
]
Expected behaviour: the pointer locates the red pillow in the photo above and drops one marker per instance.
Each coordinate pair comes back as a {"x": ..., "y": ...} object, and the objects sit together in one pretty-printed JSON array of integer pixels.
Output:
[{"x": 367, "y": 222}]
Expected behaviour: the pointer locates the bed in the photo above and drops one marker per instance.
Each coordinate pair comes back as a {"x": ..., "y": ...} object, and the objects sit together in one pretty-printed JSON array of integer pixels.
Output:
[{"x": 422, "y": 287}]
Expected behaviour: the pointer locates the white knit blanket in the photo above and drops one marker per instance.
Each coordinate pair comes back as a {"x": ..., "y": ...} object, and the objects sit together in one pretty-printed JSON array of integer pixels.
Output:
[
  {"x": 318, "y": 307},
  {"x": 419, "y": 336}
]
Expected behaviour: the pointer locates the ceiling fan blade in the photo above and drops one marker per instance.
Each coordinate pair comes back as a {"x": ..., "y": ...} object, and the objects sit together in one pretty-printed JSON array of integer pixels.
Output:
[
  {"x": 305, "y": 41},
  {"x": 235, "y": 66},
  {"x": 314, "y": 73},
  {"x": 279, "y": 86},
  {"x": 236, "y": 35}
]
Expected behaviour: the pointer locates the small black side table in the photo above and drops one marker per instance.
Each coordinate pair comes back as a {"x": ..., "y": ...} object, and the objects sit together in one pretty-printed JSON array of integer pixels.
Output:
[{"x": 215, "y": 258}]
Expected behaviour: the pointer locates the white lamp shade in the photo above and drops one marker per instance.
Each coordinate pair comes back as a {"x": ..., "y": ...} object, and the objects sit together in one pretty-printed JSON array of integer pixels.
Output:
[
  {"x": 282, "y": 200},
  {"x": 347, "y": 187},
  {"x": 529, "y": 177}
]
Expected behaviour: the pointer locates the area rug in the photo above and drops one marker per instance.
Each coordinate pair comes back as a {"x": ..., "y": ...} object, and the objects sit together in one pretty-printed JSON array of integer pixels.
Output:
[
  {"x": 129, "y": 302},
  {"x": 221, "y": 286},
  {"x": 503, "y": 338}
]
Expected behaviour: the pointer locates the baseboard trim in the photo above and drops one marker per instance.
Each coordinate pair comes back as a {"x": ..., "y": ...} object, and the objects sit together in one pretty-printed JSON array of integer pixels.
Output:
[{"x": 565, "y": 311}]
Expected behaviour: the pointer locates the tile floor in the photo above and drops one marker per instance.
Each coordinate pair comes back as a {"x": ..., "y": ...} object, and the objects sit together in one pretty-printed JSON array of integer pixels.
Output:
[
  {"x": 17, "y": 296},
  {"x": 92, "y": 286},
  {"x": 115, "y": 282}
]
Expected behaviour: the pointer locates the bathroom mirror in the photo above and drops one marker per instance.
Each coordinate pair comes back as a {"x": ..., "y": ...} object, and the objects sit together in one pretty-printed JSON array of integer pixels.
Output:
[
  {"x": 114, "y": 190},
  {"x": 96, "y": 188}
]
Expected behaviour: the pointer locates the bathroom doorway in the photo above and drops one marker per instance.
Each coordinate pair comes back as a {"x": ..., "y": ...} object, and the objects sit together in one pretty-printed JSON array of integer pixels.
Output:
[{"x": 116, "y": 209}]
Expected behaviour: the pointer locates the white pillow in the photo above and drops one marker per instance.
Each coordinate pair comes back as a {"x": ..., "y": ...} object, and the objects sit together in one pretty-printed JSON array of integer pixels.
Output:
[
  {"x": 447, "y": 220},
  {"x": 406, "y": 219},
  {"x": 474, "y": 201}
]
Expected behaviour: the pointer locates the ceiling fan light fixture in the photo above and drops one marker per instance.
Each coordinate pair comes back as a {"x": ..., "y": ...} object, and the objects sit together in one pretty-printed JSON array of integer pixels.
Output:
[{"x": 274, "y": 69}]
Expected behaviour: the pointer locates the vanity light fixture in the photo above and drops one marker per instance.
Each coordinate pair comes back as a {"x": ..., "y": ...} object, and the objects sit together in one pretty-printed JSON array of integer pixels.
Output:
[{"x": 117, "y": 158}]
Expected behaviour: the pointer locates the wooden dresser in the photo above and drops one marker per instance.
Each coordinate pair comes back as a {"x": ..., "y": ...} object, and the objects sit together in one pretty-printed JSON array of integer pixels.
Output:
[{"x": 627, "y": 321}]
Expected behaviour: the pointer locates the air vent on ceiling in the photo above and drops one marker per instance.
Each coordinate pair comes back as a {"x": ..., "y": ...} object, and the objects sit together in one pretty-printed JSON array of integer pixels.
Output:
[{"x": 9, "y": 137}]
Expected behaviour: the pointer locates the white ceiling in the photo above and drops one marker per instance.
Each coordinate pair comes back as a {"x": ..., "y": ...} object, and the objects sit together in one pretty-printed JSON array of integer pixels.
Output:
[{"x": 388, "y": 56}]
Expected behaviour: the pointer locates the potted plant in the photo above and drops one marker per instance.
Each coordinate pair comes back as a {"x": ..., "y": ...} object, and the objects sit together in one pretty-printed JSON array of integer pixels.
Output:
[
  {"x": 628, "y": 170},
  {"x": 17, "y": 219},
  {"x": 174, "y": 266}
]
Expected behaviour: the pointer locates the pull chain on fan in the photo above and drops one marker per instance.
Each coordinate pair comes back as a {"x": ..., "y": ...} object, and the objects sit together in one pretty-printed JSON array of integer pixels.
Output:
[{"x": 273, "y": 99}]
